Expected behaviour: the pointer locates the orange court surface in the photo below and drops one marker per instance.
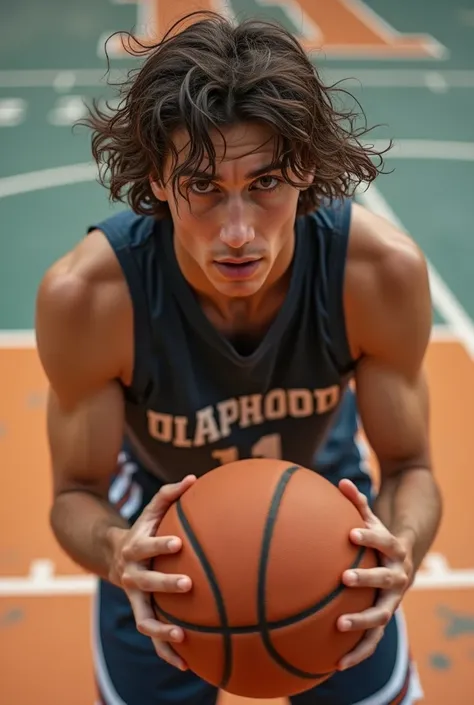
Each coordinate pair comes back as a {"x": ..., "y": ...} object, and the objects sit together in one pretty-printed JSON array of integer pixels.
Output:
[
  {"x": 45, "y": 600},
  {"x": 412, "y": 67}
]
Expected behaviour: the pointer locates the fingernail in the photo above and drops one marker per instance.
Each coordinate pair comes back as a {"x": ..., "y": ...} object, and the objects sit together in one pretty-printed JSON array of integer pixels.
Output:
[
  {"x": 345, "y": 624},
  {"x": 175, "y": 634},
  {"x": 184, "y": 583},
  {"x": 358, "y": 535},
  {"x": 351, "y": 577},
  {"x": 173, "y": 544}
]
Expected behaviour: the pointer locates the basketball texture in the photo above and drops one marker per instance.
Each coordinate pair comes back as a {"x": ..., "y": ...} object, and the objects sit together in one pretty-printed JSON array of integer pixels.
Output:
[{"x": 265, "y": 544}]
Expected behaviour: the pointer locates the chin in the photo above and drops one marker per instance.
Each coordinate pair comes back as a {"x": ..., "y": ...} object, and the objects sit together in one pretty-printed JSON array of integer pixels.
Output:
[{"x": 238, "y": 289}]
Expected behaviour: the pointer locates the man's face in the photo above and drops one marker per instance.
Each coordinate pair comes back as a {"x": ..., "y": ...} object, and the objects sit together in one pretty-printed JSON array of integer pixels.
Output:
[{"x": 235, "y": 228}]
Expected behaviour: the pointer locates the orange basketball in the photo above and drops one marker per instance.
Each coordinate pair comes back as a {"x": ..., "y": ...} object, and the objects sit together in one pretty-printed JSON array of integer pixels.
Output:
[{"x": 265, "y": 544}]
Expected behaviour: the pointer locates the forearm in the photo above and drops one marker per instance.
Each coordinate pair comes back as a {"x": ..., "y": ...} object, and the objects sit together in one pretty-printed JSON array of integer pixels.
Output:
[
  {"x": 410, "y": 506},
  {"x": 87, "y": 528}
]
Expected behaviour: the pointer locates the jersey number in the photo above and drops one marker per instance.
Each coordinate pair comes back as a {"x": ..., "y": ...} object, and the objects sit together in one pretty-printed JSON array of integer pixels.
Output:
[{"x": 266, "y": 447}]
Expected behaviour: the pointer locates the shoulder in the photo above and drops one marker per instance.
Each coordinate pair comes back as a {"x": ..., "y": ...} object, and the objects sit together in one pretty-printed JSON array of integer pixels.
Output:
[
  {"x": 332, "y": 216},
  {"x": 83, "y": 318},
  {"x": 387, "y": 294},
  {"x": 129, "y": 229}
]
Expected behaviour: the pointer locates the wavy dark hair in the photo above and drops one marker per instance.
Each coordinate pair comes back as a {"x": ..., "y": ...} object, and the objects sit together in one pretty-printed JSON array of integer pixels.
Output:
[{"x": 207, "y": 73}]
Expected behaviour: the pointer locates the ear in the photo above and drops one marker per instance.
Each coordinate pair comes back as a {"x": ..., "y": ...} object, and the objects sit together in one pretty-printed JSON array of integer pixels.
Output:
[{"x": 158, "y": 189}]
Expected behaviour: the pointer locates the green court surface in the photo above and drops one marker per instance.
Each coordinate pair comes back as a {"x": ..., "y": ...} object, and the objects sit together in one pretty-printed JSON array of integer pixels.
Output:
[{"x": 51, "y": 60}]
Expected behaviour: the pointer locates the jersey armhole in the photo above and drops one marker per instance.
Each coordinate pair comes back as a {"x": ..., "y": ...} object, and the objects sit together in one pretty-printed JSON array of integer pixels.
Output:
[
  {"x": 336, "y": 246},
  {"x": 136, "y": 391}
]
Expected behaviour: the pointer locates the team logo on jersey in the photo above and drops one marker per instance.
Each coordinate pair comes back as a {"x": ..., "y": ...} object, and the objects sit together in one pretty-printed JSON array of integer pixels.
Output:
[{"x": 212, "y": 423}]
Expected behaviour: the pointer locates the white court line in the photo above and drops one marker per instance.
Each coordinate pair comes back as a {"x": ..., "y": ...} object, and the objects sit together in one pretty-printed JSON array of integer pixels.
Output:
[
  {"x": 298, "y": 17},
  {"x": 26, "y": 339},
  {"x": 370, "y": 78},
  {"x": 17, "y": 339},
  {"x": 449, "y": 150},
  {"x": 370, "y": 18},
  {"x": 400, "y": 78},
  {"x": 443, "y": 298},
  {"x": 41, "y": 580},
  {"x": 440, "y": 333},
  {"x": 47, "y": 178}
]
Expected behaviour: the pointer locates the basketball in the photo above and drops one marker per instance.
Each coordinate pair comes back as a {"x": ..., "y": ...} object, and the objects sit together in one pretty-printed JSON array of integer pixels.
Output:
[{"x": 265, "y": 544}]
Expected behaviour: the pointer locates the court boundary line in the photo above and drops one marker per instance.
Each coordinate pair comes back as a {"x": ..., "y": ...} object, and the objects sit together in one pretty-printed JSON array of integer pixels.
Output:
[
  {"x": 440, "y": 150},
  {"x": 42, "y": 581},
  {"x": 66, "y": 175},
  {"x": 297, "y": 15},
  {"x": 444, "y": 300},
  {"x": 370, "y": 77},
  {"x": 25, "y": 338},
  {"x": 385, "y": 30}
]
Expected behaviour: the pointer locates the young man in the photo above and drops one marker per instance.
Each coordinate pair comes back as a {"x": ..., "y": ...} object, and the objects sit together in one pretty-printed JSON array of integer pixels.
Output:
[{"x": 222, "y": 317}]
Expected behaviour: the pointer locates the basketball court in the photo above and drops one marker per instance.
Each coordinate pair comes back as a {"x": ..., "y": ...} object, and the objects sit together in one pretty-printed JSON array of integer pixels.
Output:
[{"x": 412, "y": 67}]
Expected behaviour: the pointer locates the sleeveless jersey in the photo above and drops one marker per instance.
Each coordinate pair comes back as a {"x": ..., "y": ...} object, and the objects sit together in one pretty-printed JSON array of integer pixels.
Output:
[{"x": 195, "y": 401}]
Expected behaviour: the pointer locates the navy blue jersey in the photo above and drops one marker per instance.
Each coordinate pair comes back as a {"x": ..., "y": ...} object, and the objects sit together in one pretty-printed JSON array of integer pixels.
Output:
[{"x": 195, "y": 401}]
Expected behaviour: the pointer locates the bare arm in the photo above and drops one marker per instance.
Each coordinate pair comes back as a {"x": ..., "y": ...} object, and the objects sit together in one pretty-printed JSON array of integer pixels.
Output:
[
  {"x": 390, "y": 306},
  {"x": 78, "y": 342},
  {"x": 84, "y": 330},
  {"x": 84, "y": 443},
  {"x": 388, "y": 315}
]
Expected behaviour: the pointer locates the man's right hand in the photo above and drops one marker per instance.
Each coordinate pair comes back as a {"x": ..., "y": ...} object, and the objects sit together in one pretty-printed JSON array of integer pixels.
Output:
[{"x": 133, "y": 549}]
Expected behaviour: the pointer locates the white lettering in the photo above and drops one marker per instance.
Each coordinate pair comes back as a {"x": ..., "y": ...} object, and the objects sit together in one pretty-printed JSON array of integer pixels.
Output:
[
  {"x": 160, "y": 426},
  {"x": 213, "y": 423},
  {"x": 228, "y": 411},
  {"x": 251, "y": 410},
  {"x": 207, "y": 430},
  {"x": 326, "y": 399},
  {"x": 275, "y": 405},
  {"x": 180, "y": 428},
  {"x": 300, "y": 403}
]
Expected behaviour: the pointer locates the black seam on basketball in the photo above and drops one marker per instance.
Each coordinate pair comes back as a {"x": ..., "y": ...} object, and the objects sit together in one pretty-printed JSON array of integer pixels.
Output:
[
  {"x": 273, "y": 625},
  {"x": 224, "y": 630},
  {"x": 263, "y": 626},
  {"x": 262, "y": 579}
]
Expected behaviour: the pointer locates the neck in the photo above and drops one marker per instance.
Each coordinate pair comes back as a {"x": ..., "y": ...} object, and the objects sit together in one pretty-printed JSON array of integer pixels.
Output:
[{"x": 236, "y": 315}]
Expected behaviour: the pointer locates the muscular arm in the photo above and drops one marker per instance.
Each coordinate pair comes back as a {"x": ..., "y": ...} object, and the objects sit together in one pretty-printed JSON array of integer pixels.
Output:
[
  {"x": 389, "y": 306},
  {"x": 79, "y": 328}
]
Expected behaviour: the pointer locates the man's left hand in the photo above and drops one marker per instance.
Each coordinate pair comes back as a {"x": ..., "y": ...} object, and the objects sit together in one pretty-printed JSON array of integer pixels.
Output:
[{"x": 393, "y": 578}]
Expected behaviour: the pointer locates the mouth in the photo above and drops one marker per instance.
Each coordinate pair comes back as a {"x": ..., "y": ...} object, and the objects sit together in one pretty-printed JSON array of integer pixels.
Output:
[{"x": 242, "y": 268}]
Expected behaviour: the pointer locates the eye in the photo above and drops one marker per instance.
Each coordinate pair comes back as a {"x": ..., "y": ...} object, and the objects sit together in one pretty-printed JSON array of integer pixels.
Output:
[
  {"x": 202, "y": 186},
  {"x": 266, "y": 183}
]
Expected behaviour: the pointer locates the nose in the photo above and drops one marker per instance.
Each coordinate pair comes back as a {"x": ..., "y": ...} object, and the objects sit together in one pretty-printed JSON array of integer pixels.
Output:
[{"x": 237, "y": 231}]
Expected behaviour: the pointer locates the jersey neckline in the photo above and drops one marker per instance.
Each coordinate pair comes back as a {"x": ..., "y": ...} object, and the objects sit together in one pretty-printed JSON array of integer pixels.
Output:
[{"x": 196, "y": 317}]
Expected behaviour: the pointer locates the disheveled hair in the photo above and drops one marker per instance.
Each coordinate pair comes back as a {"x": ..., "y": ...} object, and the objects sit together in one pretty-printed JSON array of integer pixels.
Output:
[{"x": 207, "y": 73}]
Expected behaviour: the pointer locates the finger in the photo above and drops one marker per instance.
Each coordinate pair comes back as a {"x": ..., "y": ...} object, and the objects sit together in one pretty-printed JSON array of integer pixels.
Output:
[
  {"x": 363, "y": 650},
  {"x": 141, "y": 548},
  {"x": 144, "y": 616},
  {"x": 166, "y": 496},
  {"x": 358, "y": 499},
  {"x": 381, "y": 540},
  {"x": 136, "y": 577},
  {"x": 168, "y": 654},
  {"x": 381, "y": 578},
  {"x": 146, "y": 621},
  {"x": 377, "y": 616}
]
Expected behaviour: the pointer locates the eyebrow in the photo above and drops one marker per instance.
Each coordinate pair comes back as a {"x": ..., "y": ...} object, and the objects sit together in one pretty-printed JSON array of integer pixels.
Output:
[{"x": 273, "y": 166}]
